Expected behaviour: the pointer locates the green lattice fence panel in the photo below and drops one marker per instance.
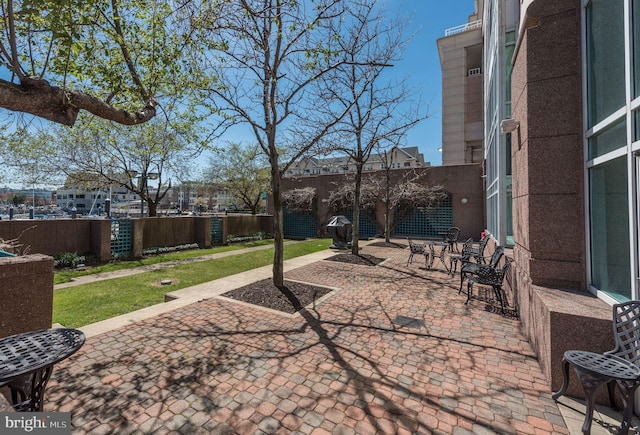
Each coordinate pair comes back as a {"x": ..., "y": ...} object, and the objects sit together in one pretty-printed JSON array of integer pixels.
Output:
[
  {"x": 424, "y": 221},
  {"x": 367, "y": 223},
  {"x": 121, "y": 237},
  {"x": 216, "y": 230},
  {"x": 300, "y": 225}
]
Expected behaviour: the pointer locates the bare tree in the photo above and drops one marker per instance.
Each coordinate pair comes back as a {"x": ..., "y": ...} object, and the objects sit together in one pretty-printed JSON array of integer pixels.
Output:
[
  {"x": 380, "y": 109},
  {"x": 268, "y": 58},
  {"x": 301, "y": 200},
  {"x": 403, "y": 187},
  {"x": 102, "y": 154},
  {"x": 394, "y": 188}
]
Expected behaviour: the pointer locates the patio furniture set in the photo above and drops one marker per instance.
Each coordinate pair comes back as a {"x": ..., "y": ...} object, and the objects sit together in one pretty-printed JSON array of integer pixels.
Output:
[
  {"x": 617, "y": 369},
  {"x": 476, "y": 268}
]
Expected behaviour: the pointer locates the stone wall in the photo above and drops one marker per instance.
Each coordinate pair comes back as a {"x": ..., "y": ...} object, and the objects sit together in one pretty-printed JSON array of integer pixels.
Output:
[
  {"x": 462, "y": 181},
  {"x": 93, "y": 236},
  {"x": 26, "y": 293},
  {"x": 174, "y": 231},
  {"x": 558, "y": 312},
  {"x": 53, "y": 237}
]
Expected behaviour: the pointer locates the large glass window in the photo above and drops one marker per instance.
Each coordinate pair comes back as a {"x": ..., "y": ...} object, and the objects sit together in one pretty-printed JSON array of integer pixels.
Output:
[
  {"x": 510, "y": 41},
  {"x": 636, "y": 125},
  {"x": 635, "y": 6},
  {"x": 610, "y": 139},
  {"x": 605, "y": 59},
  {"x": 610, "y": 268},
  {"x": 608, "y": 175},
  {"x": 499, "y": 49}
]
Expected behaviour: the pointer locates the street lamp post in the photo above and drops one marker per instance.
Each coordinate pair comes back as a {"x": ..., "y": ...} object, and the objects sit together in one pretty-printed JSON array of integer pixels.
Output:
[{"x": 142, "y": 184}]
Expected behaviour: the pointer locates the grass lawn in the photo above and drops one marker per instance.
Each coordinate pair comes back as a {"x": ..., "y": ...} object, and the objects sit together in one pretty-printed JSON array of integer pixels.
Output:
[
  {"x": 84, "y": 304},
  {"x": 63, "y": 276}
]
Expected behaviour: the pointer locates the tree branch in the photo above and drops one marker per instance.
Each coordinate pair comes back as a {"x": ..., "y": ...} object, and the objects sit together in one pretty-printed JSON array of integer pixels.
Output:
[
  {"x": 38, "y": 97},
  {"x": 125, "y": 51}
]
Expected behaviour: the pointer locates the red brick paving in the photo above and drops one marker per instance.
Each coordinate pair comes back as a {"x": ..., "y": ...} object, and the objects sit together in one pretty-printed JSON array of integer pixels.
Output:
[{"x": 342, "y": 367}]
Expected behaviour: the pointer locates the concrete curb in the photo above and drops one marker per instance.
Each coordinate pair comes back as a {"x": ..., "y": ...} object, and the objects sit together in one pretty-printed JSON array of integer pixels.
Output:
[{"x": 194, "y": 294}]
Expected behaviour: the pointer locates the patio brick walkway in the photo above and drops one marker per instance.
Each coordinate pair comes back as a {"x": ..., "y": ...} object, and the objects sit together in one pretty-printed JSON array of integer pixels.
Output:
[{"x": 342, "y": 367}]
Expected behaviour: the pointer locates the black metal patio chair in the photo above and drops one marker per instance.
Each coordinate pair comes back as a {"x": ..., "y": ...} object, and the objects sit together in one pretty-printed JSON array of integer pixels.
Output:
[
  {"x": 463, "y": 257},
  {"x": 619, "y": 367},
  {"x": 470, "y": 268},
  {"x": 417, "y": 248},
  {"x": 477, "y": 252},
  {"x": 451, "y": 238},
  {"x": 490, "y": 276}
]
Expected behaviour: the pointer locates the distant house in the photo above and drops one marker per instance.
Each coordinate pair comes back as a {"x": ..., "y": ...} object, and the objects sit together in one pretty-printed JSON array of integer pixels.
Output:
[
  {"x": 193, "y": 195},
  {"x": 397, "y": 158}
]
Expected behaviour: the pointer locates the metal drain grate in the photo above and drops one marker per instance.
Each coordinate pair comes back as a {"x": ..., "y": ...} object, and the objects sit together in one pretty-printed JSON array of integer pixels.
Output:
[{"x": 409, "y": 322}]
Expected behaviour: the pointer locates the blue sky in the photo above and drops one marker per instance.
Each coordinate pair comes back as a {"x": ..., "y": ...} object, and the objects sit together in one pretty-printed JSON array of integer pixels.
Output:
[{"x": 430, "y": 18}]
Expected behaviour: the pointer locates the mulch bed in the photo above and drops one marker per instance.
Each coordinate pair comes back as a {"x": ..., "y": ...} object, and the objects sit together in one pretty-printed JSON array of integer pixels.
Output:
[
  {"x": 293, "y": 297},
  {"x": 360, "y": 259},
  {"x": 388, "y": 245}
]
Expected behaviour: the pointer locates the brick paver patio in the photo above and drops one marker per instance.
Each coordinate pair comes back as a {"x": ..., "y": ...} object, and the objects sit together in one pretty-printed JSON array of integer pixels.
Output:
[{"x": 345, "y": 366}]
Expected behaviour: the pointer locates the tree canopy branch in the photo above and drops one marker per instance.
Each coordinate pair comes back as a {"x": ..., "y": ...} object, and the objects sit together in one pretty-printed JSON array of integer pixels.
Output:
[{"x": 38, "y": 97}]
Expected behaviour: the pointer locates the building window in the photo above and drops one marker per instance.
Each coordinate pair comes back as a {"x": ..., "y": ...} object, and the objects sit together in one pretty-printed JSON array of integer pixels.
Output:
[
  {"x": 510, "y": 45},
  {"x": 605, "y": 59},
  {"x": 636, "y": 46},
  {"x": 611, "y": 138},
  {"x": 499, "y": 45},
  {"x": 609, "y": 146},
  {"x": 610, "y": 229}
]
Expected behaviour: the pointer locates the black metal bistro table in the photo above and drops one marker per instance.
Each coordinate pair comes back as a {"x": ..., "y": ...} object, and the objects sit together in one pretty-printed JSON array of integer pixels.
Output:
[
  {"x": 594, "y": 370},
  {"x": 437, "y": 250},
  {"x": 26, "y": 363}
]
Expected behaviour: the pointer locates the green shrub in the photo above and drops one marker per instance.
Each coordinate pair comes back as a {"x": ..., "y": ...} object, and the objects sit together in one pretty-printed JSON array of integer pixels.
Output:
[
  {"x": 261, "y": 235},
  {"x": 166, "y": 249},
  {"x": 68, "y": 260}
]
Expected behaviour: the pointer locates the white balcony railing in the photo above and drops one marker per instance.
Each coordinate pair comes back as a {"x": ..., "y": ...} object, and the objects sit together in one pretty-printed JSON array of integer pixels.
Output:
[
  {"x": 474, "y": 72},
  {"x": 463, "y": 28}
]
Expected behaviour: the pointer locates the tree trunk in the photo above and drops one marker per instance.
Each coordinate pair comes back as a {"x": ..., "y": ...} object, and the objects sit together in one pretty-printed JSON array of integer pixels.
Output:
[
  {"x": 386, "y": 222},
  {"x": 153, "y": 208},
  {"x": 278, "y": 229},
  {"x": 387, "y": 207},
  {"x": 356, "y": 211}
]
